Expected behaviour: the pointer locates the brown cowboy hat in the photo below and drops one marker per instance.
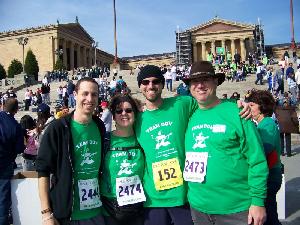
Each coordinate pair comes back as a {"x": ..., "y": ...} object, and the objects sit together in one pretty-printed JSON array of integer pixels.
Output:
[{"x": 203, "y": 69}]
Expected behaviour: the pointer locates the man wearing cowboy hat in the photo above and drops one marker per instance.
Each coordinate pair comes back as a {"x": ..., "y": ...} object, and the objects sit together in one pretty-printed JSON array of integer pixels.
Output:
[{"x": 225, "y": 165}]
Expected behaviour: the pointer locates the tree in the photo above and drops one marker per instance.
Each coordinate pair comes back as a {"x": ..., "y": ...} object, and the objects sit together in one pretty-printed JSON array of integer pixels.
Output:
[
  {"x": 31, "y": 65},
  {"x": 14, "y": 68},
  {"x": 2, "y": 72},
  {"x": 59, "y": 65}
]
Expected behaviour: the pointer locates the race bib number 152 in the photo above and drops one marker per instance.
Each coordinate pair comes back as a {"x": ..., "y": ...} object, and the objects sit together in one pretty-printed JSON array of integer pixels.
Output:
[{"x": 167, "y": 174}]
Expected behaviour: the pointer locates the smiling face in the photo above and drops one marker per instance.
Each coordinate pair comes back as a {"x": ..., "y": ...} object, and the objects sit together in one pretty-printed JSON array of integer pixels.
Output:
[
  {"x": 151, "y": 88},
  {"x": 204, "y": 90},
  {"x": 86, "y": 98},
  {"x": 255, "y": 111},
  {"x": 124, "y": 115}
]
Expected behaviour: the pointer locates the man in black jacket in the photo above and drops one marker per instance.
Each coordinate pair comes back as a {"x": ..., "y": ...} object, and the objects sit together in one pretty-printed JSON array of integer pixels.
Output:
[
  {"x": 11, "y": 144},
  {"x": 70, "y": 151}
]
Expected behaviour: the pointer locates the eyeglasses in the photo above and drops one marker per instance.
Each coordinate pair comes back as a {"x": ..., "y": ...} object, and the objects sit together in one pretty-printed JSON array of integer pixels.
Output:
[
  {"x": 120, "y": 111},
  {"x": 154, "y": 82}
]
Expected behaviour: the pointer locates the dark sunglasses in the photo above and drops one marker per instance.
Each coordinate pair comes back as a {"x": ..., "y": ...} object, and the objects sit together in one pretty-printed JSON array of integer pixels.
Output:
[
  {"x": 154, "y": 82},
  {"x": 120, "y": 111}
]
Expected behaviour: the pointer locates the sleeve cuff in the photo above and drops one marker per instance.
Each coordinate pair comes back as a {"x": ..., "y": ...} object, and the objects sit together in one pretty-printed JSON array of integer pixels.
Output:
[{"x": 258, "y": 201}]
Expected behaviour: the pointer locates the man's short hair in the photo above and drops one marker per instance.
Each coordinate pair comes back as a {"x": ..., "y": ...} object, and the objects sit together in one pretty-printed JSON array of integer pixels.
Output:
[
  {"x": 87, "y": 79},
  {"x": 11, "y": 105}
]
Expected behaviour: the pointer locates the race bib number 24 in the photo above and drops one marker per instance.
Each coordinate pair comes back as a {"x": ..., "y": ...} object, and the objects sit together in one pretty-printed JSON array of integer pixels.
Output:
[{"x": 89, "y": 194}]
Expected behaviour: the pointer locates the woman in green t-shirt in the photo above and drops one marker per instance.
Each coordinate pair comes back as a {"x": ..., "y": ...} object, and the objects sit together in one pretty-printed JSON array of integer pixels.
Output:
[
  {"x": 262, "y": 106},
  {"x": 123, "y": 167}
]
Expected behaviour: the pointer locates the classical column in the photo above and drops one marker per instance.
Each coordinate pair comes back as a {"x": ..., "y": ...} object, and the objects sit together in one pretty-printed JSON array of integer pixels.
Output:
[
  {"x": 84, "y": 57},
  {"x": 213, "y": 47},
  {"x": 64, "y": 42},
  {"x": 78, "y": 56},
  {"x": 243, "y": 49},
  {"x": 56, "y": 47},
  {"x": 232, "y": 47},
  {"x": 71, "y": 55},
  {"x": 223, "y": 46},
  {"x": 203, "y": 51},
  {"x": 91, "y": 57},
  {"x": 195, "y": 52}
]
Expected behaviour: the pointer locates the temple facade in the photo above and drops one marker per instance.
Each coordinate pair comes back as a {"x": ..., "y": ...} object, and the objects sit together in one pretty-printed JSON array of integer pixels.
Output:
[
  {"x": 69, "y": 41},
  {"x": 195, "y": 43}
]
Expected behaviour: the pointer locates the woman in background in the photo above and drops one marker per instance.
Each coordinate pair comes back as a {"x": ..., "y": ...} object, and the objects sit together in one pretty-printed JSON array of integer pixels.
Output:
[{"x": 262, "y": 106}]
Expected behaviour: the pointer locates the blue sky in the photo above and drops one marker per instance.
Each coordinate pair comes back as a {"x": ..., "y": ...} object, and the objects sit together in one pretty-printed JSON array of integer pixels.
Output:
[{"x": 148, "y": 26}]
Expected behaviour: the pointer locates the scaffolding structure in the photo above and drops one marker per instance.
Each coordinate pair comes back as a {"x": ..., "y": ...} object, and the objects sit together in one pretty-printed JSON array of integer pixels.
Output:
[
  {"x": 183, "y": 47},
  {"x": 259, "y": 39}
]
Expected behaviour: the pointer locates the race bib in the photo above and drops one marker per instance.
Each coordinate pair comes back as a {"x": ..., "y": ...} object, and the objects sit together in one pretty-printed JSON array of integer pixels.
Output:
[
  {"x": 195, "y": 166},
  {"x": 167, "y": 174},
  {"x": 89, "y": 194},
  {"x": 129, "y": 190}
]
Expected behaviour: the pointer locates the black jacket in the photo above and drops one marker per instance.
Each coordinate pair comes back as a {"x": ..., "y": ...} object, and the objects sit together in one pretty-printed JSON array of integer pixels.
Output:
[
  {"x": 55, "y": 157},
  {"x": 11, "y": 141}
]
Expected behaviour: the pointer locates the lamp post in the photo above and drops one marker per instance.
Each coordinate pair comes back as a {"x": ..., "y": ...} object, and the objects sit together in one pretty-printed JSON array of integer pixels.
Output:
[
  {"x": 293, "y": 44},
  {"x": 23, "y": 41},
  {"x": 115, "y": 34},
  {"x": 95, "y": 45},
  {"x": 59, "y": 53}
]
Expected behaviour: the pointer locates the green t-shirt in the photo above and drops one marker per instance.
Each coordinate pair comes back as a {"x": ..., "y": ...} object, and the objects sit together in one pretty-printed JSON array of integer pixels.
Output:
[
  {"x": 86, "y": 162},
  {"x": 161, "y": 132},
  {"x": 236, "y": 170},
  {"x": 120, "y": 162},
  {"x": 270, "y": 136}
]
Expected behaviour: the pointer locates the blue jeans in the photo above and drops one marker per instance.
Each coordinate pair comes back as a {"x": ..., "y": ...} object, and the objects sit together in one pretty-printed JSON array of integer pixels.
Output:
[
  {"x": 166, "y": 216},
  {"x": 72, "y": 102},
  {"x": 5, "y": 196},
  {"x": 169, "y": 84},
  {"x": 271, "y": 203}
]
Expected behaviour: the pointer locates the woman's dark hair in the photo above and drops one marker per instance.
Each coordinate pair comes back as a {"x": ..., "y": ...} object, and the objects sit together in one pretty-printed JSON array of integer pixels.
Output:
[
  {"x": 264, "y": 99},
  {"x": 27, "y": 122},
  {"x": 41, "y": 120},
  {"x": 118, "y": 99}
]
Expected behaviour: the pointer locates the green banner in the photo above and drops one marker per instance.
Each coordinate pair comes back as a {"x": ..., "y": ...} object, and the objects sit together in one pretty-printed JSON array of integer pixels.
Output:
[{"x": 220, "y": 51}]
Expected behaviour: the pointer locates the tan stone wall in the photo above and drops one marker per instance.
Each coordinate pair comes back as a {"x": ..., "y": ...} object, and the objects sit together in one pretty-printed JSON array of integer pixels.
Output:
[
  {"x": 157, "y": 62},
  {"x": 40, "y": 44},
  {"x": 278, "y": 52}
]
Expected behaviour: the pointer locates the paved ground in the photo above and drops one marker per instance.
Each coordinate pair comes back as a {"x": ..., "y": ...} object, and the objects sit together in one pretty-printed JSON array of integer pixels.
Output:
[{"x": 292, "y": 174}]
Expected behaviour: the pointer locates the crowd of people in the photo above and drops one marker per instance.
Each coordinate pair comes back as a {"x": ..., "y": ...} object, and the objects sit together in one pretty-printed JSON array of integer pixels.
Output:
[{"x": 193, "y": 158}]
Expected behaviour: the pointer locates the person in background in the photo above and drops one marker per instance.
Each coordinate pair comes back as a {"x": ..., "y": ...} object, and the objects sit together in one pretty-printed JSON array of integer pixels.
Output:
[
  {"x": 292, "y": 86},
  {"x": 289, "y": 70},
  {"x": 29, "y": 156},
  {"x": 11, "y": 144},
  {"x": 297, "y": 78},
  {"x": 288, "y": 122},
  {"x": 106, "y": 117},
  {"x": 44, "y": 118},
  {"x": 70, "y": 93},
  {"x": 168, "y": 78},
  {"x": 262, "y": 106},
  {"x": 123, "y": 167}
]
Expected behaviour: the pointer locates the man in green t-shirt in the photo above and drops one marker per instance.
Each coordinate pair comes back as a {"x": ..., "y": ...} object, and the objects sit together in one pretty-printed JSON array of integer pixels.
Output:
[
  {"x": 225, "y": 165},
  {"x": 70, "y": 151},
  {"x": 160, "y": 131}
]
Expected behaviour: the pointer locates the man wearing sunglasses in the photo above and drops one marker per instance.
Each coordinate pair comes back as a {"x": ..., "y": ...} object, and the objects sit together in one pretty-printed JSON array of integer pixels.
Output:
[{"x": 160, "y": 130}]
